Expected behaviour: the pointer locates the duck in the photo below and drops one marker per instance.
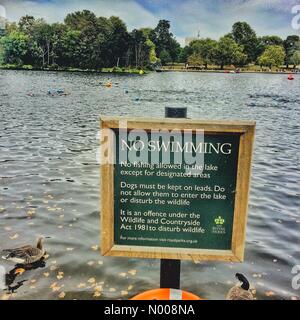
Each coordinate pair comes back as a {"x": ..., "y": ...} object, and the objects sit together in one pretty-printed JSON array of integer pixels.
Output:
[
  {"x": 27, "y": 254},
  {"x": 240, "y": 292}
]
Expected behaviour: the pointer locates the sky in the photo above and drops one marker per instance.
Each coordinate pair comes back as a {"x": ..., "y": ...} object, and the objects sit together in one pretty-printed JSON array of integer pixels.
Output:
[{"x": 212, "y": 18}]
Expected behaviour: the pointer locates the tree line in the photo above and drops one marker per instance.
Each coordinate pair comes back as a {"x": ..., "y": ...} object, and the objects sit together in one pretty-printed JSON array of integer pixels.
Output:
[
  {"x": 86, "y": 41},
  {"x": 242, "y": 47}
]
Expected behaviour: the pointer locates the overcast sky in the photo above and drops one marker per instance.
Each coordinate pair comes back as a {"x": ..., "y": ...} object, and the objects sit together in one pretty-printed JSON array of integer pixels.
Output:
[{"x": 212, "y": 17}]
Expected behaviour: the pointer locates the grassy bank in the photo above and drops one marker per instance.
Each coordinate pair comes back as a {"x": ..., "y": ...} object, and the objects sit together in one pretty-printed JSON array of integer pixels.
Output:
[
  {"x": 114, "y": 70},
  {"x": 217, "y": 69}
]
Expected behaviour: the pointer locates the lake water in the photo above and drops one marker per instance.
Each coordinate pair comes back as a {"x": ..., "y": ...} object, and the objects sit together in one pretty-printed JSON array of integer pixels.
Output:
[{"x": 49, "y": 179}]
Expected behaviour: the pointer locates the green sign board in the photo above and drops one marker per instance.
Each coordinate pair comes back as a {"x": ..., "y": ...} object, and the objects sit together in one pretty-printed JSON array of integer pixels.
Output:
[{"x": 177, "y": 194}]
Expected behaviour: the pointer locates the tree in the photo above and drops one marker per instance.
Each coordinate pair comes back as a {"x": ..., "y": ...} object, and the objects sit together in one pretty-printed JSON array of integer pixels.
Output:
[
  {"x": 245, "y": 36},
  {"x": 70, "y": 49},
  {"x": 152, "y": 53},
  {"x": 139, "y": 48},
  {"x": 165, "y": 44},
  {"x": 195, "y": 60},
  {"x": 185, "y": 52},
  {"x": 272, "y": 56},
  {"x": 80, "y": 20},
  {"x": 205, "y": 48},
  {"x": 118, "y": 40},
  {"x": 295, "y": 59},
  {"x": 43, "y": 33},
  {"x": 165, "y": 57},
  {"x": 15, "y": 48},
  {"x": 227, "y": 51},
  {"x": 271, "y": 41},
  {"x": 291, "y": 44}
]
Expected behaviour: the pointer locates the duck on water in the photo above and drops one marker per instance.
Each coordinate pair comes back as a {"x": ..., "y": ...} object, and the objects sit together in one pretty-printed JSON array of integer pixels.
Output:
[
  {"x": 27, "y": 254},
  {"x": 240, "y": 291}
]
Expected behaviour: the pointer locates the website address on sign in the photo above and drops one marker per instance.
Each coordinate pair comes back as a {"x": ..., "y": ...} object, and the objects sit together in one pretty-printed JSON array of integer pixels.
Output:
[{"x": 159, "y": 239}]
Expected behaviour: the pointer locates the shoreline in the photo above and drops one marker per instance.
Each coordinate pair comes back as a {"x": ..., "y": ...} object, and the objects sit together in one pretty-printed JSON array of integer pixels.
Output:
[
  {"x": 230, "y": 71},
  {"x": 139, "y": 72},
  {"x": 119, "y": 71}
]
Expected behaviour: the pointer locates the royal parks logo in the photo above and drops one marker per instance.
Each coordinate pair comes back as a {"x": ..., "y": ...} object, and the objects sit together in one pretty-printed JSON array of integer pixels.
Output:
[{"x": 219, "y": 225}]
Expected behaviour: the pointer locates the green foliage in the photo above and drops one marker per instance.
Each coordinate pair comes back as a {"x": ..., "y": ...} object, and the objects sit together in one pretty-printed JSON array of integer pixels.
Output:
[
  {"x": 245, "y": 36},
  {"x": 295, "y": 59},
  {"x": 227, "y": 52},
  {"x": 87, "y": 42},
  {"x": 184, "y": 54},
  {"x": 152, "y": 53},
  {"x": 167, "y": 48},
  {"x": 15, "y": 48},
  {"x": 165, "y": 57},
  {"x": 195, "y": 60},
  {"x": 272, "y": 56},
  {"x": 291, "y": 45},
  {"x": 204, "y": 48}
]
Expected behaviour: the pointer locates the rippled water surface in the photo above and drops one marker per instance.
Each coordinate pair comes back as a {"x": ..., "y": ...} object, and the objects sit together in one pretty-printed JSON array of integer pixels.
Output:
[{"x": 49, "y": 179}]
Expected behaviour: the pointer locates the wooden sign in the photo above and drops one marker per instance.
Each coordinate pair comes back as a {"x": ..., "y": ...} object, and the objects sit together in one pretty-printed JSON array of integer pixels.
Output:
[{"x": 175, "y": 188}]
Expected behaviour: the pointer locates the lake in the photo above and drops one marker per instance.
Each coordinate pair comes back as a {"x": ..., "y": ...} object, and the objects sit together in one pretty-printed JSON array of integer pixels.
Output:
[{"x": 49, "y": 179}]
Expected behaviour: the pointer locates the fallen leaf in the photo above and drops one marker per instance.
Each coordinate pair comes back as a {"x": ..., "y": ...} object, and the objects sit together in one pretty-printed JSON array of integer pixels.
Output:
[
  {"x": 81, "y": 285},
  {"x": 15, "y": 236},
  {"x": 60, "y": 275},
  {"x": 32, "y": 287},
  {"x": 97, "y": 294},
  {"x": 124, "y": 293},
  {"x": 33, "y": 281},
  {"x": 90, "y": 263},
  {"x": 53, "y": 268},
  {"x": 112, "y": 290},
  {"x": 91, "y": 280},
  {"x": 55, "y": 287},
  {"x": 123, "y": 274},
  {"x": 130, "y": 288},
  {"x": 95, "y": 247},
  {"x": 269, "y": 293},
  {"x": 7, "y": 228},
  {"x": 100, "y": 262},
  {"x": 46, "y": 274},
  {"x": 61, "y": 295},
  {"x": 20, "y": 271},
  {"x": 69, "y": 249},
  {"x": 98, "y": 288},
  {"x": 132, "y": 272}
]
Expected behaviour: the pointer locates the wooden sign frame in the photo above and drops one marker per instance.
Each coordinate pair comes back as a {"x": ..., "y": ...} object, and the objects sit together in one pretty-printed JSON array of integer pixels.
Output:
[{"x": 246, "y": 129}]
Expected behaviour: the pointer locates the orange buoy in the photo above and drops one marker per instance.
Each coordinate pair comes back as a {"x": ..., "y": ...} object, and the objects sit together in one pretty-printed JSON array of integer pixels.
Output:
[
  {"x": 166, "y": 294},
  {"x": 290, "y": 77}
]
